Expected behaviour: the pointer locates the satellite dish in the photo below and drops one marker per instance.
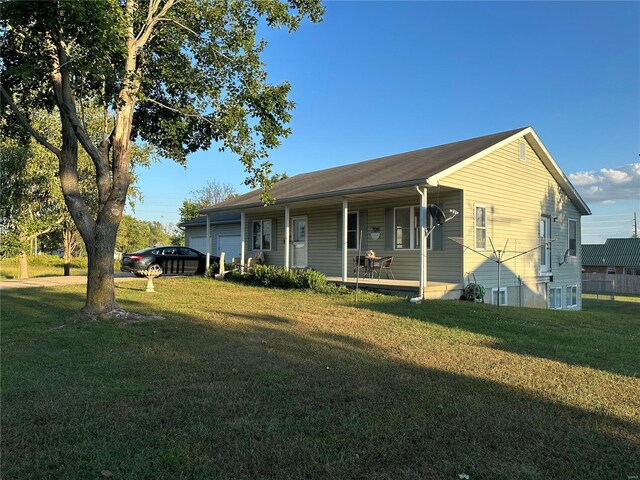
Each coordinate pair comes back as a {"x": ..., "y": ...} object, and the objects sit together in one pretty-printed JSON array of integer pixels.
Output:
[{"x": 437, "y": 214}]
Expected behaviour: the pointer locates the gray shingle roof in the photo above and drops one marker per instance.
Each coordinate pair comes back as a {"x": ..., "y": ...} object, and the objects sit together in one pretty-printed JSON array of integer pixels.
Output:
[
  {"x": 615, "y": 252},
  {"x": 395, "y": 170}
]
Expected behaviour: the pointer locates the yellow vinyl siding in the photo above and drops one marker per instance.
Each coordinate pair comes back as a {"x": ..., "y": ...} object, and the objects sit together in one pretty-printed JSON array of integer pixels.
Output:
[{"x": 516, "y": 194}]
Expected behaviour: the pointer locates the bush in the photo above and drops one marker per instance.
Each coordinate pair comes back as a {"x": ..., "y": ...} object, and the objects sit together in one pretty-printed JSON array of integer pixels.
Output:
[{"x": 277, "y": 277}]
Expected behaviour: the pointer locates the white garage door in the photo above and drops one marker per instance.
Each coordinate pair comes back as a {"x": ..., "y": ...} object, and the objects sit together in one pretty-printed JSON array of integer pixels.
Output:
[
  {"x": 230, "y": 245},
  {"x": 198, "y": 243}
]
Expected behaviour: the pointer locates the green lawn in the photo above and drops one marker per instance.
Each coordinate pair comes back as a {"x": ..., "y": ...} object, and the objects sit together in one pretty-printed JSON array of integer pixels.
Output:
[
  {"x": 242, "y": 382},
  {"x": 41, "y": 266}
]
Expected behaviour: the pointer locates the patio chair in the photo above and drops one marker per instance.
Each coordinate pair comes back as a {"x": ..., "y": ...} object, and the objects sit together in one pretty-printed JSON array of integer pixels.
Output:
[
  {"x": 359, "y": 262},
  {"x": 383, "y": 265}
]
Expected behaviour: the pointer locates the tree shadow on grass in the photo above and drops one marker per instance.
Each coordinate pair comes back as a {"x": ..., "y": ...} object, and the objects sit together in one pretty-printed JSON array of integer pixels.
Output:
[
  {"x": 185, "y": 398},
  {"x": 608, "y": 343}
]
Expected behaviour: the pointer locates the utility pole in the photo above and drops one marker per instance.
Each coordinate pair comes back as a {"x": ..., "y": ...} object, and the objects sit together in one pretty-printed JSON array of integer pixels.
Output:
[{"x": 635, "y": 225}]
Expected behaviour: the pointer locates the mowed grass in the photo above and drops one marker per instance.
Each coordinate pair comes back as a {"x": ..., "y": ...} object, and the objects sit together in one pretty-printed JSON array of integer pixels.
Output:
[
  {"x": 241, "y": 382},
  {"x": 41, "y": 266}
]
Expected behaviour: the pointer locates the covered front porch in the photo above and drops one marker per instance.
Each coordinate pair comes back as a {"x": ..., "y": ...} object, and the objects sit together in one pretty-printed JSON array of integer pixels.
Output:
[{"x": 326, "y": 234}]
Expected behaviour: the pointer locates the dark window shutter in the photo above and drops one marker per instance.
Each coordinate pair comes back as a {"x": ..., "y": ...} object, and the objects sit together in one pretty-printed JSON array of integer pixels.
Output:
[
  {"x": 437, "y": 236},
  {"x": 339, "y": 230},
  {"x": 362, "y": 217},
  {"x": 274, "y": 234},
  {"x": 388, "y": 228}
]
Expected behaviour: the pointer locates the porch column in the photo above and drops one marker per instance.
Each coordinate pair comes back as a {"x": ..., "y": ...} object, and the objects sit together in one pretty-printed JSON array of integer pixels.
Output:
[
  {"x": 287, "y": 237},
  {"x": 208, "y": 242},
  {"x": 423, "y": 241},
  {"x": 243, "y": 235},
  {"x": 345, "y": 215}
]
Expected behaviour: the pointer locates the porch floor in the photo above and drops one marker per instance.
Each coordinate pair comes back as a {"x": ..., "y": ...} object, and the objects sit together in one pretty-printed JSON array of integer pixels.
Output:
[{"x": 448, "y": 290}]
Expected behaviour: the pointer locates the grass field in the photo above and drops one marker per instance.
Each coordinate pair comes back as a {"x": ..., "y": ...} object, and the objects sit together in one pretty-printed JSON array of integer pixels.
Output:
[
  {"x": 241, "y": 382},
  {"x": 41, "y": 266}
]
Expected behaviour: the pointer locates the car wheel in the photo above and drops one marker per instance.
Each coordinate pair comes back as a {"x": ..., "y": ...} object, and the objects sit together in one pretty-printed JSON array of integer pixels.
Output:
[{"x": 155, "y": 269}]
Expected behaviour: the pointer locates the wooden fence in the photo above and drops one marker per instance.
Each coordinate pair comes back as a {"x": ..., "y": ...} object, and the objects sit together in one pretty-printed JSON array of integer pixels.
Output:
[{"x": 607, "y": 283}]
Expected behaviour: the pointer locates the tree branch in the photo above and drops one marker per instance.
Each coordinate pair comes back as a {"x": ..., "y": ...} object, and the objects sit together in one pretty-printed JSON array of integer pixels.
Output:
[
  {"x": 46, "y": 230},
  {"x": 25, "y": 123},
  {"x": 181, "y": 112},
  {"x": 65, "y": 98},
  {"x": 150, "y": 23}
]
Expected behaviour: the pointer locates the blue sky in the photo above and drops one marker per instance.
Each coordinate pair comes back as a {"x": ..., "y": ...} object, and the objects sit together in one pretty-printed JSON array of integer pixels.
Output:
[{"x": 378, "y": 78}]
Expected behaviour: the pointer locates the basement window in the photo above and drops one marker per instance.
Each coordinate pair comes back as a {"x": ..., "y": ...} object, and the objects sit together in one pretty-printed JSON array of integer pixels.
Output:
[
  {"x": 572, "y": 296},
  {"x": 502, "y": 295},
  {"x": 555, "y": 298}
]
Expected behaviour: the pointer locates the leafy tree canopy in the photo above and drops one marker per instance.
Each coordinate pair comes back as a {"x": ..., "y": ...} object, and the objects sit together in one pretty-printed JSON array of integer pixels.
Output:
[
  {"x": 177, "y": 75},
  {"x": 199, "y": 74}
]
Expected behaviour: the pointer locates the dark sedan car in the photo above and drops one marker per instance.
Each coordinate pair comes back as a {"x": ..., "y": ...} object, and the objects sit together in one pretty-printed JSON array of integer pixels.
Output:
[{"x": 165, "y": 260}]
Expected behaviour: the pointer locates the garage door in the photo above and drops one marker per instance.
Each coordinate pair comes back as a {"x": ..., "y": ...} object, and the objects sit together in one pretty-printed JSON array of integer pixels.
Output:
[
  {"x": 230, "y": 245},
  {"x": 198, "y": 243}
]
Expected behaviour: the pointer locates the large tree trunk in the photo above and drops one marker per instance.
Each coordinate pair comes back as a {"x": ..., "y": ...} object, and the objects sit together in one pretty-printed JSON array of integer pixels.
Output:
[
  {"x": 23, "y": 270},
  {"x": 101, "y": 298},
  {"x": 67, "y": 239}
]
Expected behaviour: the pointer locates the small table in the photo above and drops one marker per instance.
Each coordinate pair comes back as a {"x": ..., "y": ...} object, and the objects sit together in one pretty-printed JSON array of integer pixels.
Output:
[{"x": 369, "y": 263}]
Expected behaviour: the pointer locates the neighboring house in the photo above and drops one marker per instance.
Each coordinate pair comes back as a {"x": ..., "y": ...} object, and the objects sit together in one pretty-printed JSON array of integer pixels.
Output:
[
  {"x": 224, "y": 234},
  {"x": 617, "y": 256},
  {"x": 505, "y": 186}
]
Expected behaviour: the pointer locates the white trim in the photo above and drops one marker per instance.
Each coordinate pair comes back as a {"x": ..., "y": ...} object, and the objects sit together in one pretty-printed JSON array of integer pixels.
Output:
[
  {"x": 506, "y": 295},
  {"x": 271, "y": 235},
  {"x": 243, "y": 236},
  {"x": 287, "y": 238},
  {"x": 546, "y": 267},
  {"x": 568, "y": 296},
  {"x": 208, "y": 240},
  {"x": 345, "y": 213},
  {"x": 412, "y": 229},
  {"x": 551, "y": 295},
  {"x": 575, "y": 253},
  {"x": 475, "y": 227},
  {"x": 422, "y": 282},
  {"x": 546, "y": 158}
]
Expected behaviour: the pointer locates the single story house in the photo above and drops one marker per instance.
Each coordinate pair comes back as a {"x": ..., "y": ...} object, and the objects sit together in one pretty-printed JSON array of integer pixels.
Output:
[
  {"x": 617, "y": 256},
  {"x": 510, "y": 193},
  {"x": 224, "y": 234}
]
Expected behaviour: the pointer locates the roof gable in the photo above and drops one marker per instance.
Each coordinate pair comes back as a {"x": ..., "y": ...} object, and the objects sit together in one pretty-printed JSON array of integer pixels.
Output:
[
  {"x": 408, "y": 168},
  {"x": 425, "y": 166}
]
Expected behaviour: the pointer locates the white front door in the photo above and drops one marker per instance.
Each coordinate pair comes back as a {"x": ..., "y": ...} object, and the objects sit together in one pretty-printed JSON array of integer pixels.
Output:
[{"x": 299, "y": 242}]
